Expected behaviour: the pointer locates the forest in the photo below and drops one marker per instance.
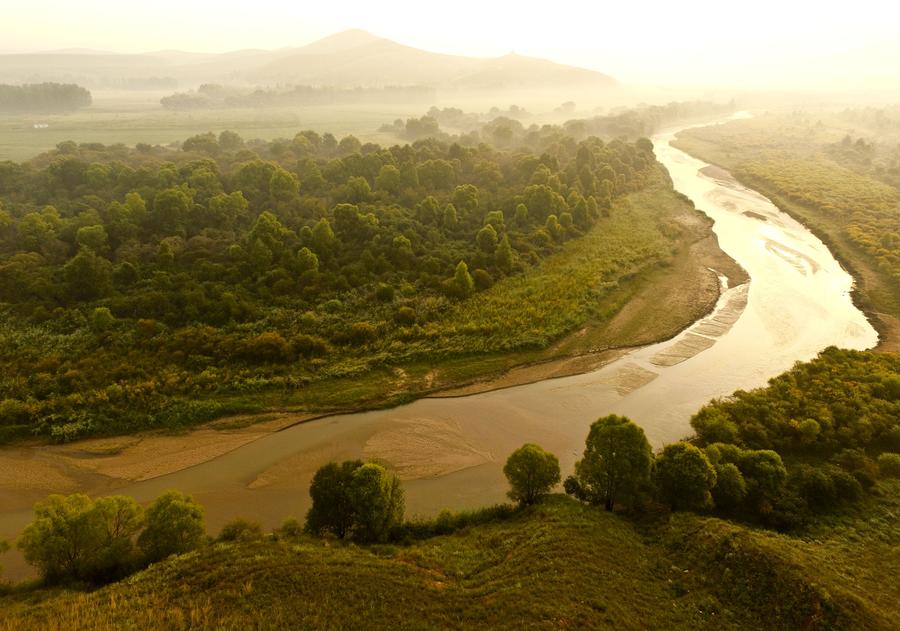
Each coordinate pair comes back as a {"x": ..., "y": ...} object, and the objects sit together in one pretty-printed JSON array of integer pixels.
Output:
[
  {"x": 133, "y": 279},
  {"x": 43, "y": 97}
]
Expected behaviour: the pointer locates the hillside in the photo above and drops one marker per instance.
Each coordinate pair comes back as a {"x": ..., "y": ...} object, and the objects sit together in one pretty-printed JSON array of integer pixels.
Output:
[
  {"x": 348, "y": 59},
  {"x": 559, "y": 564}
]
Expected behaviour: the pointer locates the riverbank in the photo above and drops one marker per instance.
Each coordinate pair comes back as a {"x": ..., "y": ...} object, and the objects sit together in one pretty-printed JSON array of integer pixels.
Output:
[
  {"x": 875, "y": 294},
  {"x": 654, "y": 305}
]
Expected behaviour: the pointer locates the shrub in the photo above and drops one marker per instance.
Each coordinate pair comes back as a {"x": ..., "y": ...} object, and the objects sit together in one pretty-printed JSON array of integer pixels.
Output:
[
  {"x": 889, "y": 465},
  {"x": 291, "y": 530},
  {"x": 730, "y": 489},
  {"x": 241, "y": 529}
]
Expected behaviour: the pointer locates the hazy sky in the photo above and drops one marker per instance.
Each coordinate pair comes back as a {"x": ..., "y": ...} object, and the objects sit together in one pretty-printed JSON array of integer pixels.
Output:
[{"x": 773, "y": 41}]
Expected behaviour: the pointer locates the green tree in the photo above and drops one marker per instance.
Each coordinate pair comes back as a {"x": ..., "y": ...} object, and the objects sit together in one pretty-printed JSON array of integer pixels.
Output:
[
  {"x": 616, "y": 462},
  {"x": 75, "y": 538},
  {"x": 323, "y": 238},
  {"x": 685, "y": 477},
  {"x": 283, "y": 186},
  {"x": 332, "y": 506},
  {"x": 462, "y": 284},
  {"x": 62, "y": 540},
  {"x": 88, "y": 276},
  {"x": 531, "y": 473},
  {"x": 730, "y": 489},
  {"x": 377, "y": 500},
  {"x": 93, "y": 237},
  {"x": 505, "y": 256},
  {"x": 174, "y": 525},
  {"x": 487, "y": 239}
]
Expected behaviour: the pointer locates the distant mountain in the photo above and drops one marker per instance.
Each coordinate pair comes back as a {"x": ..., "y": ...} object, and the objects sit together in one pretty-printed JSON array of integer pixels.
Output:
[{"x": 348, "y": 59}]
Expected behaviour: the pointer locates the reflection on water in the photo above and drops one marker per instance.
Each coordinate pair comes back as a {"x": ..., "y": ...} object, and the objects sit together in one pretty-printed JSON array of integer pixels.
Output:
[{"x": 451, "y": 450}]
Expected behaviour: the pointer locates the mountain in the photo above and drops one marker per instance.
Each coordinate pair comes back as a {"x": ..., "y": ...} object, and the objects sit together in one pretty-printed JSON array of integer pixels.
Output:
[{"x": 353, "y": 58}]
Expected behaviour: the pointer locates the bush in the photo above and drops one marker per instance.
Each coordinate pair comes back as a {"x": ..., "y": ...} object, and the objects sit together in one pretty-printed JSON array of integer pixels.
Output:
[
  {"x": 889, "y": 465},
  {"x": 241, "y": 529},
  {"x": 290, "y": 530},
  {"x": 531, "y": 473},
  {"x": 730, "y": 489}
]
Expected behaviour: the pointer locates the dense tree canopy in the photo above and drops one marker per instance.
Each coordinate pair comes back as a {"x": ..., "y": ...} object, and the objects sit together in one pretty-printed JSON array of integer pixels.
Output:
[{"x": 130, "y": 278}]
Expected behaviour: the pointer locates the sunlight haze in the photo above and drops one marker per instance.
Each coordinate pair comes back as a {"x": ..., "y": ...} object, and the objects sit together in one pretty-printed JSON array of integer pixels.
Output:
[{"x": 776, "y": 44}]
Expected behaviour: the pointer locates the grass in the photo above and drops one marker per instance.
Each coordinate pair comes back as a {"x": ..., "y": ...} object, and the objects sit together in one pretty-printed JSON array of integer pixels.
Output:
[{"x": 559, "y": 564}]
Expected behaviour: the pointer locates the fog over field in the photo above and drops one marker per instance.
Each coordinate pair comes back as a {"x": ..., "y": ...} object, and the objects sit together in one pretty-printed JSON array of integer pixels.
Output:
[{"x": 768, "y": 44}]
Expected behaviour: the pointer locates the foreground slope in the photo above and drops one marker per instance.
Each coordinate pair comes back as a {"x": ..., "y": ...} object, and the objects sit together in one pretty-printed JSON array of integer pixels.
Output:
[{"x": 559, "y": 564}]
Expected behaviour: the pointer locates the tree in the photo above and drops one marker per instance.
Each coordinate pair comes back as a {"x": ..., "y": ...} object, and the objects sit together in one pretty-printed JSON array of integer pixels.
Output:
[
  {"x": 323, "y": 238},
  {"x": 616, "y": 462},
  {"x": 462, "y": 283},
  {"x": 62, "y": 539},
  {"x": 377, "y": 500},
  {"x": 531, "y": 473},
  {"x": 505, "y": 256},
  {"x": 685, "y": 476},
  {"x": 352, "y": 499},
  {"x": 487, "y": 239},
  {"x": 75, "y": 538},
  {"x": 174, "y": 525},
  {"x": 93, "y": 237},
  {"x": 730, "y": 489},
  {"x": 332, "y": 507},
  {"x": 88, "y": 276}
]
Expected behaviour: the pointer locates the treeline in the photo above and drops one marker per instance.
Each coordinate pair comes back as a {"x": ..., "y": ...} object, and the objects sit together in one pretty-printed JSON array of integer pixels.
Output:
[
  {"x": 135, "y": 276},
  {"x": 645, "y": 121},
  {"x": 214, "y": 96},
  {"x": 429, "y": 125},
  {"x": 43, "y": 97},
  {"x": 506, "y": 129},
  {"x": 814, "y": 441}
]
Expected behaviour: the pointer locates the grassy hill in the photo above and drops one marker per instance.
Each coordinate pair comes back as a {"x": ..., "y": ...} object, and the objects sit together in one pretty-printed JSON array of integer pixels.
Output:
[{"x": 557, "y": 565}]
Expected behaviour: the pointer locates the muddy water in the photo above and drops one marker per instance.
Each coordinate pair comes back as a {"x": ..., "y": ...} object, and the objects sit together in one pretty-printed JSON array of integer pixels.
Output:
[{"x": 450, "y": 451}]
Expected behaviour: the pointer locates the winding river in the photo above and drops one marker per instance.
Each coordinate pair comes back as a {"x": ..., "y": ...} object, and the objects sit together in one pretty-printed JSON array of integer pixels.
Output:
[{"x": 450, "y": 451}]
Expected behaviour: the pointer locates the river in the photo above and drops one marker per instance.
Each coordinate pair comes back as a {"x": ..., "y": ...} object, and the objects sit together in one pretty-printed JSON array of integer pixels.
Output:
[{"x": 450, "y": 451}]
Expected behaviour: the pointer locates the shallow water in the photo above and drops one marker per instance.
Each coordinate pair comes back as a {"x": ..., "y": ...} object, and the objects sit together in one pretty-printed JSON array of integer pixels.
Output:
[{"x": 450, "y": 451}]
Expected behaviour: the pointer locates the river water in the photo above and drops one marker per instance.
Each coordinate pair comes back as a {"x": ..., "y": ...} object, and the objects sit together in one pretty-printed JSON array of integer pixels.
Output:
[{"x": 450, "y": 451}]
